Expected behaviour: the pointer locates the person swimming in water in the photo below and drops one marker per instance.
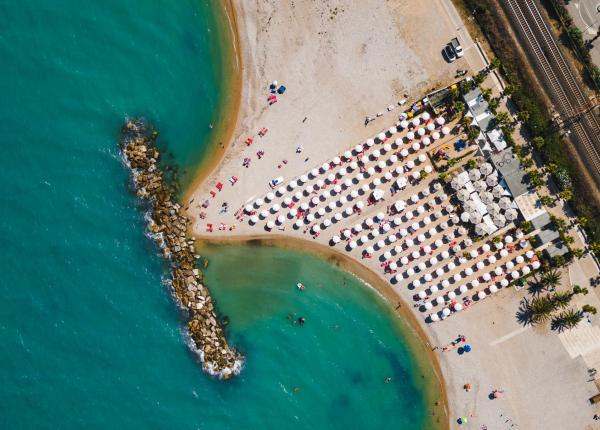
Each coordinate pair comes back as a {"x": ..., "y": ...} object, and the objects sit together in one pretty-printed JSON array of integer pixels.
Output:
[{"x": 301, "y": 321}]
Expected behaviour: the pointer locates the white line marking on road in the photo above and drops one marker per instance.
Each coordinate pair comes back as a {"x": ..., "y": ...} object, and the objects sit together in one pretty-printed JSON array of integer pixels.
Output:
[{"x": 509, "y": 335}]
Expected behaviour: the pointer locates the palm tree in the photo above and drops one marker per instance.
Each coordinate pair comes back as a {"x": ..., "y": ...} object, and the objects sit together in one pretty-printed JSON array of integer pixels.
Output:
[
  {"x": 541, "y": 309},
  {"x": 570, "y": 318},
  {"x": 551, "y": 279},
  {"x": 561, "y": 300},
  {"x": 578, "y": 290}
]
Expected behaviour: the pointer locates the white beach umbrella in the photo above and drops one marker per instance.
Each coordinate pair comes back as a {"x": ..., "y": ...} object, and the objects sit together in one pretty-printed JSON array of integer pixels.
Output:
[
  {"x": 338, "y": 216},
  {"x": 416, "y": 121},
  {"x": 445, "y": 130},
  {"x": 403, "y": 123},
  {"x": 487, "y": 277},
  {"x": 254, "y": 219},
  {"x": 434, "y": 289},
  {"x": 511, "y": 214},
  {"x": 347, "y": 233},
  {"x": 491, "y": 180},
  {"x": 457, "y": 277},
  {"x": 468, "y": 271},
  {"x": 264, "y": 213},
  {"x": 510, "y": 265},
  {"x": 348, "y": 211},
  {"x": 439, "y": 300},
  {"x": 428, "y": 305},
  {"x": 536, "y": 265},
  {"x": 504, "y": 282},
  {"x": 446, "y": 312},
  {"x": 415, "y": 254},
  {"x": 358, "y": 148},
  {"x": 336, "y": 239},
  {"x": 410, "y": 135},
  {"x": 430, "y": 126},
  {"x": 416, "y": 146},
  {"x": 498, "y": 271},
  {"x": 493, "y": 288},
  {"x": 440, "y": 120},
  {"x": 321, "y": 211},
  {"x": 310, "y": 217},
  {"x": 463, "y": 289},
  {"x": 270, "y": 224}
]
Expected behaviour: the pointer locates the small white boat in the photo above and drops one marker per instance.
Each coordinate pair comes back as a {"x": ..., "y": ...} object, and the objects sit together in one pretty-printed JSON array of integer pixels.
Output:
[{"x": 300, "y": 286}]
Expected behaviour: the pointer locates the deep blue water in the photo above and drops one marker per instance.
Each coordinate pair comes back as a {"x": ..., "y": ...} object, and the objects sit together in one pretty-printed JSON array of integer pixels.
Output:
[{"x": 90, "y": 337}]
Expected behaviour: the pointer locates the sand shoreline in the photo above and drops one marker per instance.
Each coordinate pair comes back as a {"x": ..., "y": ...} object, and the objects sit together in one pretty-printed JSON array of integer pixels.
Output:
[
  {"x": 225, "y": 132},
  {"x": 371, "y": 280},
  {"x": 226, "y": 118}
]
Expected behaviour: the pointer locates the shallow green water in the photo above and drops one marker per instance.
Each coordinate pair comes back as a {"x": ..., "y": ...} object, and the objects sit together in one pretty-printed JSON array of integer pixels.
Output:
[{"x": 90, "y": 337}]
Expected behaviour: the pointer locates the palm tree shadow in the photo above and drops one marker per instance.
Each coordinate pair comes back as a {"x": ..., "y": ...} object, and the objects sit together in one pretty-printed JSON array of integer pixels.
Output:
[
  {"x": 524, "y": 315},
  {"x": 536, "y": 287},
  {"x": 558, "y": 324}
]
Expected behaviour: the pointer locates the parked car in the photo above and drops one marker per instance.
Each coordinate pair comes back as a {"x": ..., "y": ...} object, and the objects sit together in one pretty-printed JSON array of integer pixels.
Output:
[
  {"x": 456, "y": 47},
  {"x": 449, "y": 54},
  {"x": 274, "y": 182}
]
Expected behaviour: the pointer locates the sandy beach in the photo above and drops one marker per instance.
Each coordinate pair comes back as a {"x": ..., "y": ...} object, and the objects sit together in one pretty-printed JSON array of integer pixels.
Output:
[{"x": 342, "y": 62}]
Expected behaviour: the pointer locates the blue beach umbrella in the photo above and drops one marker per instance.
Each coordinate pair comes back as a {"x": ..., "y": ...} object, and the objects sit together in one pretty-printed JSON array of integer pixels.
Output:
[{"x": 467, "y": 348}]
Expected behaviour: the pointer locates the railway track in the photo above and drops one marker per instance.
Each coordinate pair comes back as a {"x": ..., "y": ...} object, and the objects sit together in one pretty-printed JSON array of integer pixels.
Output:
[{"x": 565, "y": 90}]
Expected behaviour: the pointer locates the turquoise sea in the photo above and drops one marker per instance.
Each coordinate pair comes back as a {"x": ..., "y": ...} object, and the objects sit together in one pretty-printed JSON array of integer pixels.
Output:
[{"x": 90, "y": 337}]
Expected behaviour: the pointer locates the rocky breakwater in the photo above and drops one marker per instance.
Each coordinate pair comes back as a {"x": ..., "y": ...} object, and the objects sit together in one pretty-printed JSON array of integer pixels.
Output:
[{"x": 168, "y": 226}]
